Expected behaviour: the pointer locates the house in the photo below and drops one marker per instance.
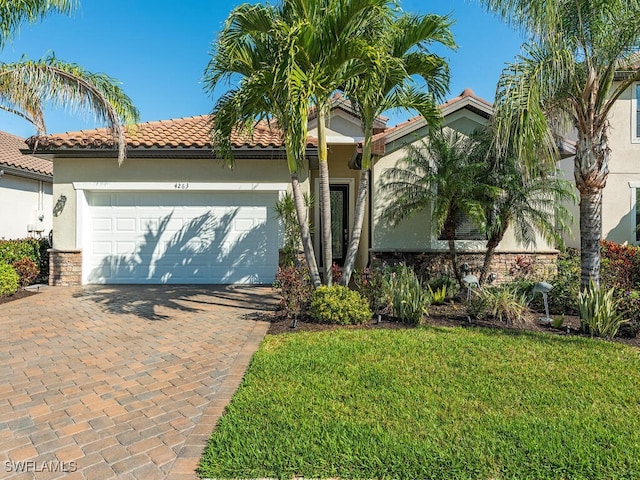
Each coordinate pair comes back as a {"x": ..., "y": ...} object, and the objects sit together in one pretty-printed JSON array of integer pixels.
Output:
[
  {"x": 620, "y": 208},
  {"x": 171, "y": 214},
  {"x": 25, "y": 191}
]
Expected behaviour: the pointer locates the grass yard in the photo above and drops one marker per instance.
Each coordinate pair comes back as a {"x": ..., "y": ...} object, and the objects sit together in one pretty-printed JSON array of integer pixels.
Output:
[{"x": 441, "y": 403}]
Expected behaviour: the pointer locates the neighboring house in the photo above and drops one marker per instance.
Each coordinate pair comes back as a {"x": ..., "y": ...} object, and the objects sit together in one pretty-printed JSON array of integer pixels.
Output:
[
  {"x": 620, "y": 207},
  {"x": 25, "y": 191},
  {"x": 171, "y": 214}
]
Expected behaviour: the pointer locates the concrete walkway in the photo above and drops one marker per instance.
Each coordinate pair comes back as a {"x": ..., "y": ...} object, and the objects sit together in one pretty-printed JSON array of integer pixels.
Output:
[{"x": 121, "y": 382}]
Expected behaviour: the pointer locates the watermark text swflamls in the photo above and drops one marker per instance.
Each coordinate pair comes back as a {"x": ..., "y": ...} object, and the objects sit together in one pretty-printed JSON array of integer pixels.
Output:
[{"x": 44, "y": 466}]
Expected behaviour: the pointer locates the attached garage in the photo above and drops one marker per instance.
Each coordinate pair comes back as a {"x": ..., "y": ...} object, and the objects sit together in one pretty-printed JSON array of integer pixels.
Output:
[
  {"x": 172, "y": 212},
  {"x": 179, "y": 237}
]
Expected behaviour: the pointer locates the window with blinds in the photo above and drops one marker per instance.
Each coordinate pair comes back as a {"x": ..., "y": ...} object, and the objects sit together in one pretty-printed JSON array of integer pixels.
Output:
[{"x": 466, "y": 229}]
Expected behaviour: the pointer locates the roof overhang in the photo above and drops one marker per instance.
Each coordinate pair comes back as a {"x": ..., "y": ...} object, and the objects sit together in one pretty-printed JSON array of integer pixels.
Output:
[
  {"x": 172, "y": 153},
  {"x": 19, "y": 172}
]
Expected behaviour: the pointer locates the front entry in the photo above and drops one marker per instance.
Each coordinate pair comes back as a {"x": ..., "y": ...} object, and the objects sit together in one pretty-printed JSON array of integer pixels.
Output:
[{"x": 339, "y": 221}]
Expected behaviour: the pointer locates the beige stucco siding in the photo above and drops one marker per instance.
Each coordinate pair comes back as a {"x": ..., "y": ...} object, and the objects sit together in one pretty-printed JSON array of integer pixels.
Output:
[
  {"x": 135, "y": 170},
  {"x": 411, "y": 234}
]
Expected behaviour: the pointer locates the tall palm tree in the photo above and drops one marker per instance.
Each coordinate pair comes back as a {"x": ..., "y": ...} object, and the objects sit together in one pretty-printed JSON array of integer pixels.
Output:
[
  {"x": 568, "y": 73},
  {"x": 334, "y": 34},
  {"x": 441, "y": 174},
  {"x": 27, "y": 85},
  {"x": 402, "y": 53},
  {"x": 256, "y": 48}
]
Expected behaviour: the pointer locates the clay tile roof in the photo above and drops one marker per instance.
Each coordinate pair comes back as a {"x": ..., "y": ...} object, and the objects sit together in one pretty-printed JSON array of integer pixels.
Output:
[
  {"x": 10, "y": 156},
  {"x": 466, "y": 93},
  {"x": 189, "y": 132}
]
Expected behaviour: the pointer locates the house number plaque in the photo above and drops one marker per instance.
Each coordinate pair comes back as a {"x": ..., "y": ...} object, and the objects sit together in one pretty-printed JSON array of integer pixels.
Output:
[{"x": 181, "y": 186}]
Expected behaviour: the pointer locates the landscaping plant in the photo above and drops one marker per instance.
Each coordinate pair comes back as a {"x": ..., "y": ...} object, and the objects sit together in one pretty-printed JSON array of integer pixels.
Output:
[
  {"x": 370, "y": 282},
  {"x": 294, "y": 286},
  {"x": 340, "y": 305},
  {"x": 504, "y": 303},
  {"x": 409, "y": 301},
  {"x": 599, "y": 312},
  {"x": 27, "y": 271},
  {"x": 9, "y": 280}
]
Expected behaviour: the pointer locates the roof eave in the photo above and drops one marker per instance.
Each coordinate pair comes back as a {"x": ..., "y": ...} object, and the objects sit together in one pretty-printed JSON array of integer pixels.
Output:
[{"x": 21, "y": 172}]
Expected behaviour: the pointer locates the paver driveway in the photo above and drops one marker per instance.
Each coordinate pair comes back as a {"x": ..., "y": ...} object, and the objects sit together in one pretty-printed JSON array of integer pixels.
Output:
[{"x": 121, "y": 381}]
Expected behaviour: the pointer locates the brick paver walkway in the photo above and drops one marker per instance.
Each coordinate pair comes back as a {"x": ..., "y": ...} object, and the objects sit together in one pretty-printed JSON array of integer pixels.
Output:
[{"x": 121, "y": 382}]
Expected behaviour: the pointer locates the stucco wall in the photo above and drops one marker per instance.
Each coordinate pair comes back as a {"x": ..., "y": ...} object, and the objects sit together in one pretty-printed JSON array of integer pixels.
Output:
[
  {"x": 185, "y": 171},
  {"x": 21, "y": 202}
]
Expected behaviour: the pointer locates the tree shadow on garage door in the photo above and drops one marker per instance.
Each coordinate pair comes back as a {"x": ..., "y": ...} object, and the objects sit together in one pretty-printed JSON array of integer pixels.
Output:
[{"x": 206, "y": 250}]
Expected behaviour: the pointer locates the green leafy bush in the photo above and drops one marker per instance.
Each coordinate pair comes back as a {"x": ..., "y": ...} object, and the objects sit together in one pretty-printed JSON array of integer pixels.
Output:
[
  {"x": 294, "y": 285},
  {"x": 566, "y": 286},
  {"x": 599, "y": 312},
  {"x": 338, "y": 304},
  {"x": 8, "y": 280},
  {"x": 620, "y": 270},
  {"x": 504, "y": 303},
  {"x": 13, "y": 250},
  {"x": 410, "y": 302},
  {"x": 451, "y": 286},
  {"x": 27, "y": 271}
]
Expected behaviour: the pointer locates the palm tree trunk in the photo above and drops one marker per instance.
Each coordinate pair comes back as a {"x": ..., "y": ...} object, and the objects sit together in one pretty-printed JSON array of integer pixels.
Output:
[
  {"x": 305, "y": 234},
  {"x": 590, "y": 235},
  {"x": 492, "y": 244},
  {"x": 325, "y": 198},
  {"x": 361, "y": 205},
  {"x": 356, "y": 233},
  {"x": 591, "y": 169}
]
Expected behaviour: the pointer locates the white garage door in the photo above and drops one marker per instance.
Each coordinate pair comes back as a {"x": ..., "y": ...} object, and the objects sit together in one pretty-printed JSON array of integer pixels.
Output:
[{"x": 180, "y": 237}]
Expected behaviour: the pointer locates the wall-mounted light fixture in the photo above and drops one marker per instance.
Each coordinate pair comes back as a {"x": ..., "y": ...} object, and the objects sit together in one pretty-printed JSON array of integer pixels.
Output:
[{"x": 59, "y": 206}]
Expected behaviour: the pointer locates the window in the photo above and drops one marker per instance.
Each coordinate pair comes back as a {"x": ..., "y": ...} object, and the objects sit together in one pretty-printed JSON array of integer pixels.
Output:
[
  {"x": 635, "y": 114},
  {"x": 636, "y": 107},
  {"x": 634, "y": 214},
  {"x": 465, "y": 229}
]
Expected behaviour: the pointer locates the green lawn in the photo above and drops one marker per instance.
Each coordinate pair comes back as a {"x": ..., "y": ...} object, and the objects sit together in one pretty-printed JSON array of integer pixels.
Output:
[{"x": 442, "y": 403}]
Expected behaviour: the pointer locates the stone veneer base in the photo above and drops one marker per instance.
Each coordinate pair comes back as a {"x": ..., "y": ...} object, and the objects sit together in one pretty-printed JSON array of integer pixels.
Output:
[{"x": 65, "y": 267}]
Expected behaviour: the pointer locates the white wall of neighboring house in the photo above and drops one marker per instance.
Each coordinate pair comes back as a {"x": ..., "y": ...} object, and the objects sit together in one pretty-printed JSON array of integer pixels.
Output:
[{"x": 25, "y": 206}]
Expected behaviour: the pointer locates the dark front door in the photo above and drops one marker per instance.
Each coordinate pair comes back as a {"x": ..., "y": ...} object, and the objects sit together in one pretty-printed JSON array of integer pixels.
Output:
[{"x": 339, "y": 221}]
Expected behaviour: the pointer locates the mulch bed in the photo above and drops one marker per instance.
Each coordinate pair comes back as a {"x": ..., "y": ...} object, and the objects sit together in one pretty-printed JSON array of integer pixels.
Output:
[
  {"x": 449, "y": 315},
  {"x": 17, "y": 296}
]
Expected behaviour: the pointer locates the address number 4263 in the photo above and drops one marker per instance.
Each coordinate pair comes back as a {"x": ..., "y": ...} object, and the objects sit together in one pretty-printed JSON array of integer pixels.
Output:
[{"x": 181, "y": 186}]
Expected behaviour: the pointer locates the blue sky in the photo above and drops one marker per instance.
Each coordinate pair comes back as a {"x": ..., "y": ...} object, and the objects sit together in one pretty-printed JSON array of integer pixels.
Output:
[{"x": 158, "y": 51}]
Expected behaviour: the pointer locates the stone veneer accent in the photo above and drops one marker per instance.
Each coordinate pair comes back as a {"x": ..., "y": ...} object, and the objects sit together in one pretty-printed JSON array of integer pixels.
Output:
[
  {"x": 65, "y": 267},
  {"x": 506, "y": 265}
]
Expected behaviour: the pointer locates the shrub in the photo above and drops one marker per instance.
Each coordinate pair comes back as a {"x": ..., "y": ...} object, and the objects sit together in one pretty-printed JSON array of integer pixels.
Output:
[
  {"x": 598, "y": 312},
  {"x": 370, "y": 282},
  {"x": 285, "y": 209},
  {"x": 410, "y": 302},
  {"x": 13, "y": 250},
  {"x": 620, "y": 270},
  {"x": 338, "y": 304},
  {"x": 439, "y": 295},
  {"x": 503, "y": 303},
  {"x": 294, "y": 285},
  {"x": 27, "y": 271},
  {"x": 8, "y": 280},
  {"x": 450, "y": 285},
  {"x": 566, "y": 285}
]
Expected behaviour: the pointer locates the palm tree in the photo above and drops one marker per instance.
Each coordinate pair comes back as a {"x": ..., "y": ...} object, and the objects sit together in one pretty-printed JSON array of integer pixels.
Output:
[
  {"x": 387, "y": 83},
  {"x": 255, "y": 46},
  {"x": 26, "y": 86},
  {"x": 441, "y": 174},
  {"x": 290, "y": 58},
  {"x": 334, "y": 34},
  {"x": 531, "y": 204},
  {"x": 569, "y": 72}
]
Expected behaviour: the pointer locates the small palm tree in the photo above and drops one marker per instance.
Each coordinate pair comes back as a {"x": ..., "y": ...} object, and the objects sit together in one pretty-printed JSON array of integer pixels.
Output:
[
  {"x": 400, "y": 53},
  {"x": 532, "y": 204},
  {"x": 441, "y": 174},
  {"x": 568, "y": 73},
  {"x": 27, "y": 85}
]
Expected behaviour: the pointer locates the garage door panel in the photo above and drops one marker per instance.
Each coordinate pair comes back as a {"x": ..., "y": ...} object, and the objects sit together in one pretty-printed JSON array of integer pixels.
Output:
[{"x": 182, "y": 237}]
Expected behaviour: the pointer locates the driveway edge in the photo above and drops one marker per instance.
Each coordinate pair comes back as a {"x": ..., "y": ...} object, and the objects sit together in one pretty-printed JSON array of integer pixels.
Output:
[{"x": 189, "y": 456}]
